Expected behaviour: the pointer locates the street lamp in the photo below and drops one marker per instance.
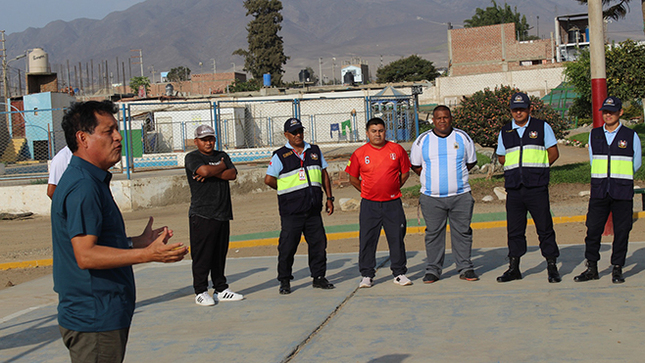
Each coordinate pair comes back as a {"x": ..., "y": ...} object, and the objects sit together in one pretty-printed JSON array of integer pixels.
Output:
[{"x": 5, "y": 65}]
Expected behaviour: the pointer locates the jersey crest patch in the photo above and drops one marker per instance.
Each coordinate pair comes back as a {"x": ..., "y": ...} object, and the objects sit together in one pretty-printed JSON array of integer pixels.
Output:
[
  {"x": 456, "y": 145},
  {"x": 622, "y": 144},
  {"x": 314, "y": 156},
  {"x": 393, "y": 156},
  {"x": 533, "y": 134}
]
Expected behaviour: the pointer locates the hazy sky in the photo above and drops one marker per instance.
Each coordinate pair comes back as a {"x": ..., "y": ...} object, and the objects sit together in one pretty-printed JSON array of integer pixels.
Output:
[{"x": 17, "y": 16}]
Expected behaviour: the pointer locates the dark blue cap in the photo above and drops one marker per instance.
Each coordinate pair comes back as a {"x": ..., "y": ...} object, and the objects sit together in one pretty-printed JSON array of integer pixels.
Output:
[
  {"x": 520, "y": 100},
  {"x": 292, "y": 125},
  {"x": 612, "y": 104}
]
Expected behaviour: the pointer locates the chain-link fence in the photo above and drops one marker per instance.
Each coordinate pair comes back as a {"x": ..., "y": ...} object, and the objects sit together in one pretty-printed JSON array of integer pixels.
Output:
[
  {"x": 157, "y": 135},
  {"x": 28, "y": 139}
]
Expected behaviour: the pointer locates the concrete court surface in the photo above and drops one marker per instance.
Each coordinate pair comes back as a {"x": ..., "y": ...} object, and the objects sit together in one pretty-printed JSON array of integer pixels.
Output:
[{"x": 449, "y": 321}]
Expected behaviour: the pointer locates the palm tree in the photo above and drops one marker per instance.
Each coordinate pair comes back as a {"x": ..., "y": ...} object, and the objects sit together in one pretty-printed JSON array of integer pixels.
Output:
[{"x": 619, "y": 9}]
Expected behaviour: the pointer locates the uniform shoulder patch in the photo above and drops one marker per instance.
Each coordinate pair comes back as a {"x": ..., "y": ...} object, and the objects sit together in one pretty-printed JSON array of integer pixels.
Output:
[{"x": 287, "y": 154}]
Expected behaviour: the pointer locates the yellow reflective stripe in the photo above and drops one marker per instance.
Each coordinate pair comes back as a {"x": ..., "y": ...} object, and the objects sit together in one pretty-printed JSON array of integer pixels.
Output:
[
  {"x": 290, "y": 182},
  {"x": 512, "y": 159},
  {"x": 622, "y": 169},
  {"x": 599, "y": 166},
  {"x": 315, "y": 174},
  {"x": 535, "y": 156}
]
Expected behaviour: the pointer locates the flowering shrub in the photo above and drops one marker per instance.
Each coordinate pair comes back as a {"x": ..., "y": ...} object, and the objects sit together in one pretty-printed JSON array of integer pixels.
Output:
[{"x": 483, "y": 114}]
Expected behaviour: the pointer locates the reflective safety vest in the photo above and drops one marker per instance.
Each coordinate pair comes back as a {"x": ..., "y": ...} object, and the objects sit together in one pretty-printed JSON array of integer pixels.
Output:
[
  {"x": 527, "y": 161},
  {"x": 299, "y": 181},
  {"x": 612, "y": 166}
]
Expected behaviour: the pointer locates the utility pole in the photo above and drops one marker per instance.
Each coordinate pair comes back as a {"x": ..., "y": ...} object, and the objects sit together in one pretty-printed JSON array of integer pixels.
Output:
[
  {"x": 597, "y": 60},
  {"x": 140, "y": 62},
  {"x": 320, "y": 71},
  {"x": 333, "y": 70},
  {"x": 5, "y": 79},
  {"x": 152, "y": 70}
]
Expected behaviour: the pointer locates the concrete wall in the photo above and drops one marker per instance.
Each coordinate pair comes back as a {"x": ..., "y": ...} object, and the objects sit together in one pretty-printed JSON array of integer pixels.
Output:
[
  {"x": 450, "y": 90},
  {"x": 137, "y": 194}
]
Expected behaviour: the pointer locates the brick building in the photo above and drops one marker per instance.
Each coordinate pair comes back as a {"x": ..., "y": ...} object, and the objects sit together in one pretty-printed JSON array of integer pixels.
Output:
[
  {"x": 199, "y": 84},
  {"x": 494, "y": 48}
]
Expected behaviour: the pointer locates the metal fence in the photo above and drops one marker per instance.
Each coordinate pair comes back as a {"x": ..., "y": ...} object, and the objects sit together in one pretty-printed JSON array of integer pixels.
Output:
[
  {"x": 157, "y": 135},
  {"x": 28, "y": 139}
]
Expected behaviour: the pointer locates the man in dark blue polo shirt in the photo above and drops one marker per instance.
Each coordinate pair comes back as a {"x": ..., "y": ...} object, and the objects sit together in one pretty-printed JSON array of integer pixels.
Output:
[{"x": 92, "y": 254}]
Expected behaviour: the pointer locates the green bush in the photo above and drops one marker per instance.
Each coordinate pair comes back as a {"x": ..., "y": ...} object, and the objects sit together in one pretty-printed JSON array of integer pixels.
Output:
[{"x": 483, "y": 114}]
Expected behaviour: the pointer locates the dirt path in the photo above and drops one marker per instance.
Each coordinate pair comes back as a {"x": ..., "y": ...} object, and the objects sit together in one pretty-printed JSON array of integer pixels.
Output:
[{"x": 22, "y": 240}]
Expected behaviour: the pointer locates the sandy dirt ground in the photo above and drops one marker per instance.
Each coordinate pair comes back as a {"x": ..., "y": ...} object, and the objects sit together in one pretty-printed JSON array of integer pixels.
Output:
[{"x": 30, "y": 239}]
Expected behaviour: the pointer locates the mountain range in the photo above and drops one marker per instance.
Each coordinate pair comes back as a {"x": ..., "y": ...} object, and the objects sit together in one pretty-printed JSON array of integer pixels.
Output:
[{"x": 185, "y": 33}]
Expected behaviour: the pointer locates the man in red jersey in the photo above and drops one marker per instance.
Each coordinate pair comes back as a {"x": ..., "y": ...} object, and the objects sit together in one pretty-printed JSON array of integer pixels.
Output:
[{"x": 378, "y": 169}]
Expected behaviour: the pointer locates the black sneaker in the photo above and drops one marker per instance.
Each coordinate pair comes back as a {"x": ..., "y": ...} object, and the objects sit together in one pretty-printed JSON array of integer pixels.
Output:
[
  {"x": 469, "y": 275},
  {"x": 430, "y": 278},
  {"x": 285, "y": 287},
  {"x": 321, "y": 282}
]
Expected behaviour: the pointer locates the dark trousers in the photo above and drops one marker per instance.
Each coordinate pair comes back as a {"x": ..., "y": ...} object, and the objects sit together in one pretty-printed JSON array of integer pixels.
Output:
[
  {"x": 293, "y": 227},
  {"x": 597, "y": 215},
  {"x": 208, "y": 249},
  {"x": 374, "y": 216},
  {"x": 536, "y": 201},
  {"x": 95, "y": 347}
]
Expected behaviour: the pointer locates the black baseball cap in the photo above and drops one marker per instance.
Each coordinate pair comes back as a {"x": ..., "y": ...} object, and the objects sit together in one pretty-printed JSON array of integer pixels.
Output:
[
  {"x": 612, "y": 104},
  {"x": 520, "y": 100},
  {"x": 292, "y": 125}
]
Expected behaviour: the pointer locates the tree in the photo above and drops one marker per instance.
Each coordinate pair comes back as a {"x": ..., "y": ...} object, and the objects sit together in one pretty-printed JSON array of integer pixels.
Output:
[
  {"x": 501, "y": 15},
  {"x": 484, "y": 113},
  {"x": 410, "y": 69},
  {"x": 625, "y": 70},
  {"x": 245, "y": 86},
  {"x": 178, "y": 74},
  {"x": 265, "y": 53},
  {"x": 135, "y": 82}
]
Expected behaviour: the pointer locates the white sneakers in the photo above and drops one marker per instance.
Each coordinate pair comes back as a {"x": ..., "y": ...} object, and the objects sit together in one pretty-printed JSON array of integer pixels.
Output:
[
  {"x": 204, "y": 299},
  {"x": 228, "y": 295},
  {"x": 402, "y": 280},
  {"x": 366, "y": 282}
]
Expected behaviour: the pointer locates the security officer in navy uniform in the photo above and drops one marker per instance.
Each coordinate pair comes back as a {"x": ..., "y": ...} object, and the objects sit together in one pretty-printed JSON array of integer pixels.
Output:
[
  {"x": 615, "y": 155},
  {"x": 298, "y": 172},
  {"x": 527, "y": 147}
]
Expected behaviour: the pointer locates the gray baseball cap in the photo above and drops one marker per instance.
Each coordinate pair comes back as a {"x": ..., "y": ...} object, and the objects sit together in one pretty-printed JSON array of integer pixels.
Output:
[{"x": 204, "y": 131}]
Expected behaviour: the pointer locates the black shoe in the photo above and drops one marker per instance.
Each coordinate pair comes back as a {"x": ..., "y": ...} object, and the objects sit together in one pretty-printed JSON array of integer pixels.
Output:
[
  {"x": 430, "y": 278},
  {"x": 513, "y": 272},
  {"x": 285, "y": 287},
  {"x": 591, "y": 273},
  {"x": 469, "y": 275},
  {"x": 321, "y": 282},
  {"x": 552, "y": 270},
  {"x": 617, "y": 275}
]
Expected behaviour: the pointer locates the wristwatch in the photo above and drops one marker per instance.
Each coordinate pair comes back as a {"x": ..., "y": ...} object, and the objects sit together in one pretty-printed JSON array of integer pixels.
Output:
[{"x": 331, "y": 198}]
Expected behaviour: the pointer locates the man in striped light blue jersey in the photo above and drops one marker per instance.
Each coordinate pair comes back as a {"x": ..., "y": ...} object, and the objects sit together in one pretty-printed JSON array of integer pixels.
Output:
[{"x": 442, "y": 158}]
